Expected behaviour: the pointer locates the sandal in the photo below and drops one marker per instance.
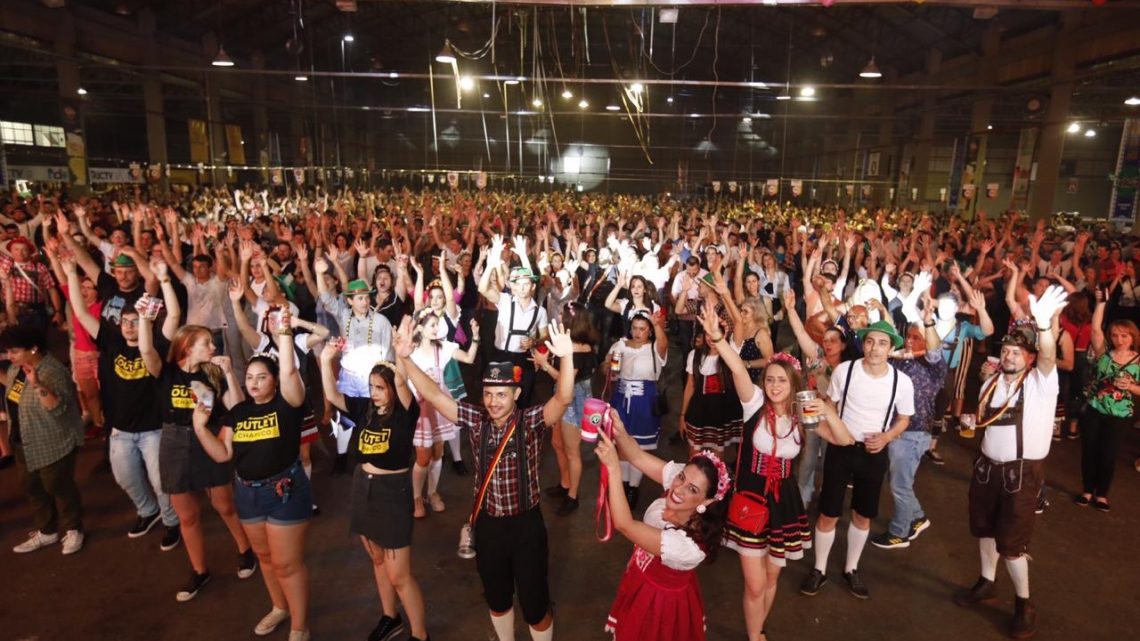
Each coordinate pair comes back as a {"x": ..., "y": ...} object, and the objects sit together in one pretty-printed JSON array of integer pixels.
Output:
[
  {"x": 436, "y": 502},
  {"x": 1083, "y": 500},
  {"x": 1101, "y": 505},
  {"x": 421, "y": 511}
]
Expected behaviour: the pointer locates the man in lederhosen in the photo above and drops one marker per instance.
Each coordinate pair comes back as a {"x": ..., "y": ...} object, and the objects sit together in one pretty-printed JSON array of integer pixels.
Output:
[
  {"x": 522, "y": 321},
  {"x": 506, "y": 441},
  {"x": 1016, "y": 407}
]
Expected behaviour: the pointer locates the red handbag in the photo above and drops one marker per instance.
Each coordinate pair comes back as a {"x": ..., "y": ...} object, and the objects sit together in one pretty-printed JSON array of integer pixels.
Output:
[{"x": 749, "y": 510}]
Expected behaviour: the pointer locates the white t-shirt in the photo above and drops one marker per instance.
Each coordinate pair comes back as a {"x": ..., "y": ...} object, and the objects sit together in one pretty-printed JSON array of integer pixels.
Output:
[
  {"x": 788, "y": 440},
  {"x": 636, "y": 364},
  {"x": 867, "y": 399},
  {"x": 678, "y": 550},
  {"x": 204, "y": 301},
  {"x": 694, "y": 292},
  {"x": 523, "y": 318},
  {"x": 1000, "y": 441},
  {"x": 429, "y": 365}
]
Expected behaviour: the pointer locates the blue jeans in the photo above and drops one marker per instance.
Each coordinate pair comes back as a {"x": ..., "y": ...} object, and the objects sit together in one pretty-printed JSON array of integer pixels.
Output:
[
  {"x": 905, "y": 453},
  {"x": 134, "y": 462},
  {"x": 811, "y": 457}
]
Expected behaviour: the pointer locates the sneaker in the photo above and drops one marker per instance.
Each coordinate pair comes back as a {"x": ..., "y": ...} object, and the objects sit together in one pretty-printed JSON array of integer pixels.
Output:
[
  {"x": 196, "y": 582},
  {"x": 388, "y": 628},
  {"x": 269, "y": 622},
  {"x": 855, "y": 585},
  {"x": 982, "y": 591},
  {"x": 568, "y": 506},
  {"x": 247, "y": 564},
  {"x": 72, "y": 542},
  {"x": 36, "y": 540},
  {"x": 1024, "y": 623},
  {"x": 918, "y": 527},
  {"x": 142, "y": 526},
  {"x": 889, "y": 541},
  {"x": 935, "y": 457},
  {"x": 813, "y": 582},
  {"x": 1042, "y": 503},
  {"x": 556, "y": 491},
  {"x": 460, "y": 467},
  {"x": 171, "y": 539}
]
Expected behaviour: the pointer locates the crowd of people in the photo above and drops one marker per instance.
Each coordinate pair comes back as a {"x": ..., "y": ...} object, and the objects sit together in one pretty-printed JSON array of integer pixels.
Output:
[{"x": 213, "y": 337}]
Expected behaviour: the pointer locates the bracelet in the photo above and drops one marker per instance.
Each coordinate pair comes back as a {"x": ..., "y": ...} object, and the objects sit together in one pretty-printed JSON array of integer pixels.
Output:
[
  {"x": 1044, "y": 329},
  {"x": 717, "y": 340},
  {"x": 928, "y": 324}
]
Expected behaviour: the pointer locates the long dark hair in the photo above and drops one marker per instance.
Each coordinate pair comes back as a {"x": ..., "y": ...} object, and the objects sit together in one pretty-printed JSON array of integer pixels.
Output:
[
  {"x": 388, "y": 375},
  {"x": 707, "y": 528},
  {"x": 700, "y": 353}
]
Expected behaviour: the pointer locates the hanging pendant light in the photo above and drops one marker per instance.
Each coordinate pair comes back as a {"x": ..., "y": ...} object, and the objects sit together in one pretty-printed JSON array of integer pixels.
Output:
[
  {"x": 222, "y": 59},
  {"x": 446, "y": 55},
  {"x": 871, "y": 70}
]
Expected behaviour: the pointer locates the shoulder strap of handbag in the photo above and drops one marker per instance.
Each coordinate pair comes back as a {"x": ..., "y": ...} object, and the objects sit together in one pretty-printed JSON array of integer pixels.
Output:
[
  {"x": 494, "y": 464},
  {"x": 748, "y": 444},
  {"x": 1117, "y": 368},
  {"x": 25, "y": 276}
]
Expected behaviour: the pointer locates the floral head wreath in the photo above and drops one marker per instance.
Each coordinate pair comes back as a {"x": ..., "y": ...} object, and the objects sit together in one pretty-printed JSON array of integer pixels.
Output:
[
  {"x": 784, "y": 357},
  {"x": 387, "y": 365},
  {"x": 723, "y": 480}
]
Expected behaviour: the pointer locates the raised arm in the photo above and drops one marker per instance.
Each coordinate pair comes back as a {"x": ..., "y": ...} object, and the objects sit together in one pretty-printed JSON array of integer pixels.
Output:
[
  {"x": 740, "y": 377},
  {"x": 75, "y": 297},
  {"x": 642, "y": 535},
  {"x": 611, "y": 298},
  {"x": 807, "y": 346},
  {"x": 173, "y": 318},
  {"x": 423, "y": 383},
  {"x": 289, "y": 378},
  {"x": 494, "y": 259},
  {"x": 1099, "y": 344},
  {"x": 151, "y": 358},
  {"x": 328, "y": 377},
  {"x": 245, "y": 328},
  {"x": 561, "y": 346},
  {"x": 1045, "y": 311}
]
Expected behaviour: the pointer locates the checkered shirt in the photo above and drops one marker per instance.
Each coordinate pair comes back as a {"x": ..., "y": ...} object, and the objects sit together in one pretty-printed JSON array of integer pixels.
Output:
[
  {"x": 503, "y": 494},
  {"x": 24, "y": 292}
]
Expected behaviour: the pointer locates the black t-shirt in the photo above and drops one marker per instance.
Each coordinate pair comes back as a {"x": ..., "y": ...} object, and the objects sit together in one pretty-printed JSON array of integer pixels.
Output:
[
  {"x": 176, "y": 400},
  {"x": 584, "y": 362},
  {"x": 12, "y": 398},
  {"x": 115, "y": 299},
  {"x": 382, "y": 443},
  {"x": 129, "y": 393},
  {"x": 267, "y": 438}
]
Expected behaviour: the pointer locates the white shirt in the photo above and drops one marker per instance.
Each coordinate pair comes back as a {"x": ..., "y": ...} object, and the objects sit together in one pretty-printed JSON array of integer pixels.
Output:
[
  {"x": 709, "y": 364},
  {"x": 636, "y": 363},
  {"x": 204, "y": 301},
  {"x": 678, "y": 550},
  {"x": 522, "y": 322},
  {"x": 788, "y": 440},
  {"x": 694, "y": 292},
  {"x": 1000, "y": 441},
  {"x": 867, "y": 399}
]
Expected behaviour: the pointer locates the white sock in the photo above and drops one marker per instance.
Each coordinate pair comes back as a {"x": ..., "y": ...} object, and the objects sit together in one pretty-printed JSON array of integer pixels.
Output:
[
  {"x": 433, "y": 475},
  {"x": 856, "y": 539},
  {"x": 625, "y": 467},
  {"x": 542, "y": 635},
  {"x": 988, "y": 549},
  {"x": 419, "y": 473},
  {"x": 453, "y": 445},
  {"x": 822, "y": 545},
  {"x": 308, "y": 467},
  {"x": 1019, "y": 571},
  {"x": 504, "y": 625},
  {"x": 635, "y": 476}
]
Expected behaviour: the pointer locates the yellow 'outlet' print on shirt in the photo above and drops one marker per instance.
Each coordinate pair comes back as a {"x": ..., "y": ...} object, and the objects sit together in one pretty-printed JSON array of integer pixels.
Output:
[
  {"x": 15, "y": 391},
  {"x": 130, "y": 369},
  {"x": 181, "y": 397},
  {"x": 374, "y": 442},
  {"x": 257, "y": 428}
]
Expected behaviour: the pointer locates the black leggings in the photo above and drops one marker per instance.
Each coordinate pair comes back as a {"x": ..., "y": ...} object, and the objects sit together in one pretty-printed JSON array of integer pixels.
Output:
[{"x": 1100, "y": 440}]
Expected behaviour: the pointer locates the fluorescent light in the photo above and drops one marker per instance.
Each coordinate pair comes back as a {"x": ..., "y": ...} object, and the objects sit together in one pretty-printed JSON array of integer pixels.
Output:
[
  {"x": 1090, "y": 133},
  {"x": 222, "y": 60},
  {"x": 466, "y": 83},
  {"x": 871, "y": 70},
  {"x": 637, "y": 87},
  {"x": 807, "y": 92},
  {"x": 301, "y": 77},
  {"x": 612, "y": 107},
  {"x": 486, "y": 95},
  {"x": 758, "y": 85},
  {"x": 1133, "y": 101},
  {"x": 761, "y": 115},
  {"x": 1074, "y": 128},
  {"x": 566, "y": 94},
  {"x": 393, "y": 74},
  {"x": 668, "y": 16},
  {"x": 583, "y": 103},
  {"x": 537, "y": 102},
  {"x": 81, "y": 91},
  {"x": 349, "y": 38},
  {"x": 418, "y": 109},
  {"x": 783, "y": 96},
  {"x": 511, "y": 82},
  {"x": 694, "y": 115}
]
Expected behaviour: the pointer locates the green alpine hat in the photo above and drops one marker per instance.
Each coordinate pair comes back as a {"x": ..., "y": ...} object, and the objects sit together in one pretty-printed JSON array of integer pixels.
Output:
[
  {"x": 884, "y": 327},
  {"x": 358, "y": 286}
]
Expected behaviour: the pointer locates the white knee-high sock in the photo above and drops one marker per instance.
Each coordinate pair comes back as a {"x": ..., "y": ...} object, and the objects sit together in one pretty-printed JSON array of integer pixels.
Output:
[
  {"x": 343, "y": 437},
  {"x": 419, "y": 473},
  {"x": 625, "y": 468},
  {"x": 542, "y": 635},
  {"x": 308, "y": 470},
  {"x": 635, "y": 476},
  {"x": 856, "y": 539},
  {"x": 822, "y": 544},
  {"x": 453, "y": 445},
  {"x": 988, "y": 549},
  {"x": 433, "y": 475},
  {"x": 504, "y": 625},
  {"x": 1019, "y": 571}
]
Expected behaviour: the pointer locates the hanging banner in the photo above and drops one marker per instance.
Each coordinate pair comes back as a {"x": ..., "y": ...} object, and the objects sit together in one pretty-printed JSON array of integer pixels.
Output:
[
  {"x": 968, "y": 195},
  {"x": 773, "y": 186},
  {"x": 153, "y": 172},
  {"x": 716, "y": 186},
  {"x": 1023, "y": 168},
  {"x": 104, "y": 175},
  {"x": 453, "y": 179},
  {"x": 797, "y": 188},
  {"x": 76, "y": 140},
  {"x": 299, "y": 176},
  {"x": 1126, "y": 184},
  {"x": 942, "y": 194},
  {"x": 865, "y": 192},
  {"x": 235, "y": 146},
  {"x": 732, "y": 186},
  {"x": 1071, "y": 188},
  {"x": 914, "y": 193},
  {"x": 850, "y": 189},
  {"x": 992, "y": 190},
  {"x": 276, "y": 178},
  {"x": 873, "y": 163},
  {"x": 481, "y": 180},
  {"x": 38, "y": 173},
  {"x": 199, "y": 142}
]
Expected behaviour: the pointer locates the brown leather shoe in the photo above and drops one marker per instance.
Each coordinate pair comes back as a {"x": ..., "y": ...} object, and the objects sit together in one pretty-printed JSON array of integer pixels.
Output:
[
  {"x": 984, "y": 590},
  {"x": 1024, "y": 619}
]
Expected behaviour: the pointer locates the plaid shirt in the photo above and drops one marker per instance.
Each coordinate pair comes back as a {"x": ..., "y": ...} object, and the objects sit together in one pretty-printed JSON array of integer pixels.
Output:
[
  {"x": 24, "y": 292},
  {"x": 503, "y": 493},
  {"x": 49, "y": 435}
]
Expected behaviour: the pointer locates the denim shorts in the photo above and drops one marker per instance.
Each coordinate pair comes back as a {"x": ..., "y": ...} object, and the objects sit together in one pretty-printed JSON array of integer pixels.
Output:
[
  {"x": 259, "y": 502},
  {"x": 577, "y": 408}
]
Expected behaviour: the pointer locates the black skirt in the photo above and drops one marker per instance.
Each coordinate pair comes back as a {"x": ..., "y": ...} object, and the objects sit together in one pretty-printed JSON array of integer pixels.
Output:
[
  {"x": 382, "y": 508},
  {"x": 183, "y": 466}
]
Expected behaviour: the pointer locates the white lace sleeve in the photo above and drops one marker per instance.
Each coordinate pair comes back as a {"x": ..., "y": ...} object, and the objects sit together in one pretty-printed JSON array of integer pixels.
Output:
[{"x": 679, "y": 551}]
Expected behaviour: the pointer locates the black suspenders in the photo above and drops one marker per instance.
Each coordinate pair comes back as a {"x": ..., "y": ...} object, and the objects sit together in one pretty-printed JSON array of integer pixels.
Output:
[{"x": 894, "y": 391}]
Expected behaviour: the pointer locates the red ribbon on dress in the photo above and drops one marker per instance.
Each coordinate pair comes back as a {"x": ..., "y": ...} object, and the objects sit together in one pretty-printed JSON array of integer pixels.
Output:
[{"x": 603, "y": 522}]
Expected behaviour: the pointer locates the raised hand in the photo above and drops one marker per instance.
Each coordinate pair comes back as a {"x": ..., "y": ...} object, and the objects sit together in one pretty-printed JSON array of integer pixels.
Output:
[
  {"x": 402, "y": 340},
  {"x": 560, "y": 344},
  {"x": 159, "y": 267},
  {"x": 235, "y": 290},
  {"x": 709, "y": 319},
  {"x": 1043, "y": 309},
  {"x": 321, "y": 266},
  {"x": 224, "y": 363},
  {"x": 607, "y": 451}
]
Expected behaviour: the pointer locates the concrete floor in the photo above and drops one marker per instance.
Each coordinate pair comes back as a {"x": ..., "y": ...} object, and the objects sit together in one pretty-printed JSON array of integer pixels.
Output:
[{"x": 1084, "y": 573}]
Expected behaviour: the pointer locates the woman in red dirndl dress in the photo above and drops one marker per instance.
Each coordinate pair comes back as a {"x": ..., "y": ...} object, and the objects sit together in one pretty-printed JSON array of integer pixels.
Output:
[{"x": 659, "y": 598}]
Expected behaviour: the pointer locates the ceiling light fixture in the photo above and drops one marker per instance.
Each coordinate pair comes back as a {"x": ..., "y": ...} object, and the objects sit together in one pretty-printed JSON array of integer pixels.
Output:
[
  {"x": 807, "y": 92},
  {"x": 871, "y": 70},
  {"x": 511, "y": 82},
  {"x": 446, "y": 55},
  {"x": 81, "y": 91},
  {"x": 989, "y": 127},
  {"x": 612, "y": 107},
  {"x": 393, "y": 74},
  {"x": 694, "y": 115},
  {"x": 669, "y": 100},
  {"x": 747, "y": 120},
  {"x": 222, "y": 59},
  {"x": 348, "y": 37},
  {"x": 784, "y": 96},
  {"x": 301, "y": 77},
  {"x": 566, "y": 95},
  {"x": 1074, "y": 128},
  {"x": 537, "y": 102},
  {"x": 637, "y": 87},
  {"x": 583, "y": 103},
  {"x": 466, "y": 83},
  {"x": 486, "y": 95},
  {"x": 1133, "y": 101},
  {"x": 1090, "y": 133}
]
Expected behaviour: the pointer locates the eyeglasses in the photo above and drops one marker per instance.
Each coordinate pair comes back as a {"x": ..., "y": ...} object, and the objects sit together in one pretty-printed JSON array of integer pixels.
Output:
[{"x": 134, "y": 322}]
